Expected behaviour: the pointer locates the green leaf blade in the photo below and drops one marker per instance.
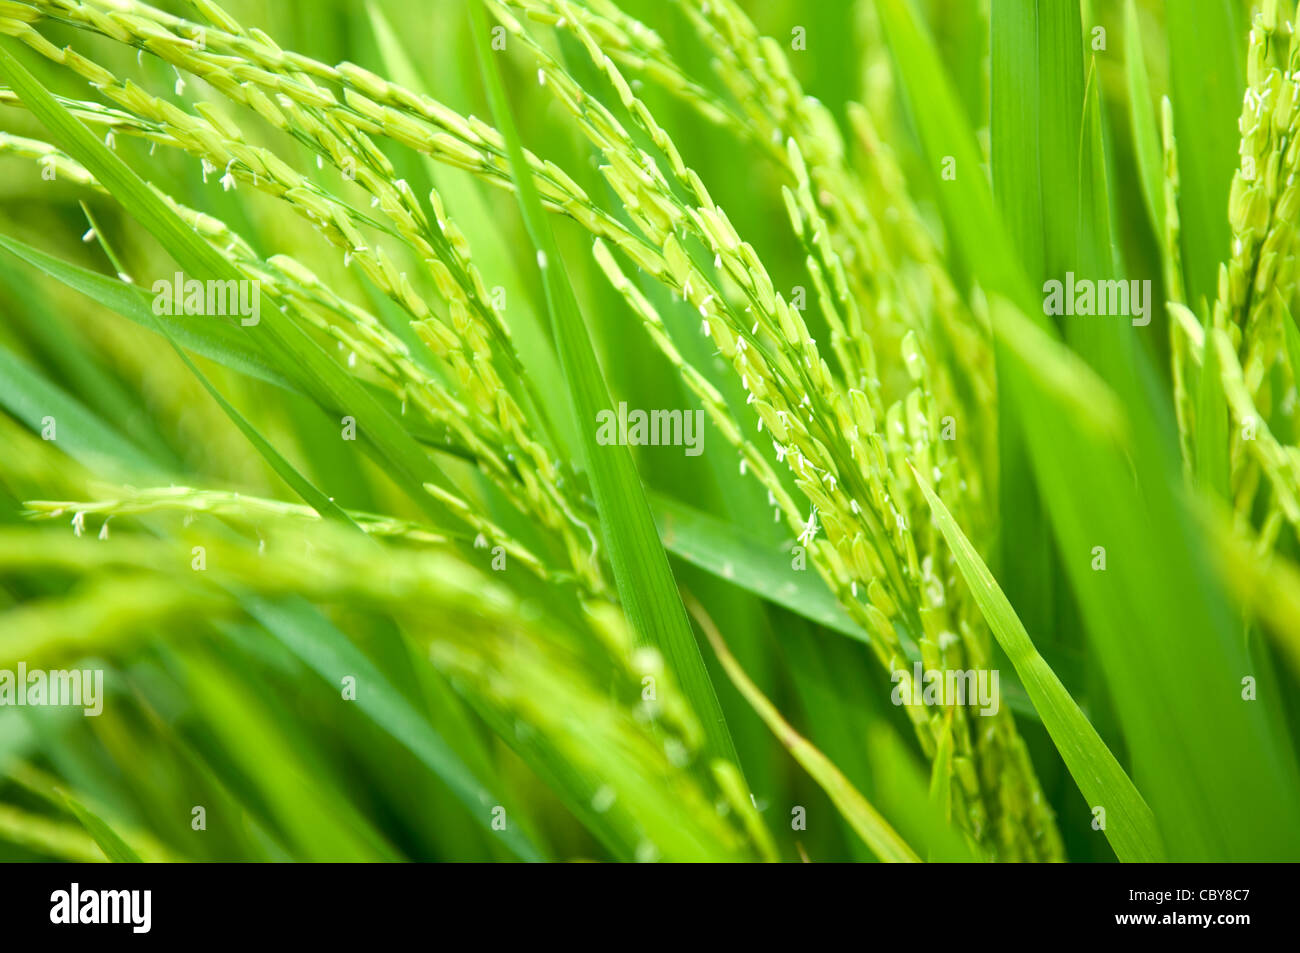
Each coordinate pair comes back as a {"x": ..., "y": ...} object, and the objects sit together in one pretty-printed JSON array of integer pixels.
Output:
[
  {"x": 1130, "y": 825},
  {"x": 641, "y": 571}
]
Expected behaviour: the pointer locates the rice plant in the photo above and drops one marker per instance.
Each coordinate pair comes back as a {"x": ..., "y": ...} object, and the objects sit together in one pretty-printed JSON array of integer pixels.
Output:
[{"x": 608, "y": 429}]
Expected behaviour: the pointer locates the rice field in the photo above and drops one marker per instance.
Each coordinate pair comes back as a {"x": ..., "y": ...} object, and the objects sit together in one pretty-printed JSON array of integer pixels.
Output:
[{"x": 622, "y": 430}]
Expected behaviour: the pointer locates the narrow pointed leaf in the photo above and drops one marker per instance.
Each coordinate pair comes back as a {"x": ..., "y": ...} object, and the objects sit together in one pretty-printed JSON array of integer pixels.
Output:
[
  {"x": 1130, "y": 826},
  {"x": 641, "y": 571}
]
